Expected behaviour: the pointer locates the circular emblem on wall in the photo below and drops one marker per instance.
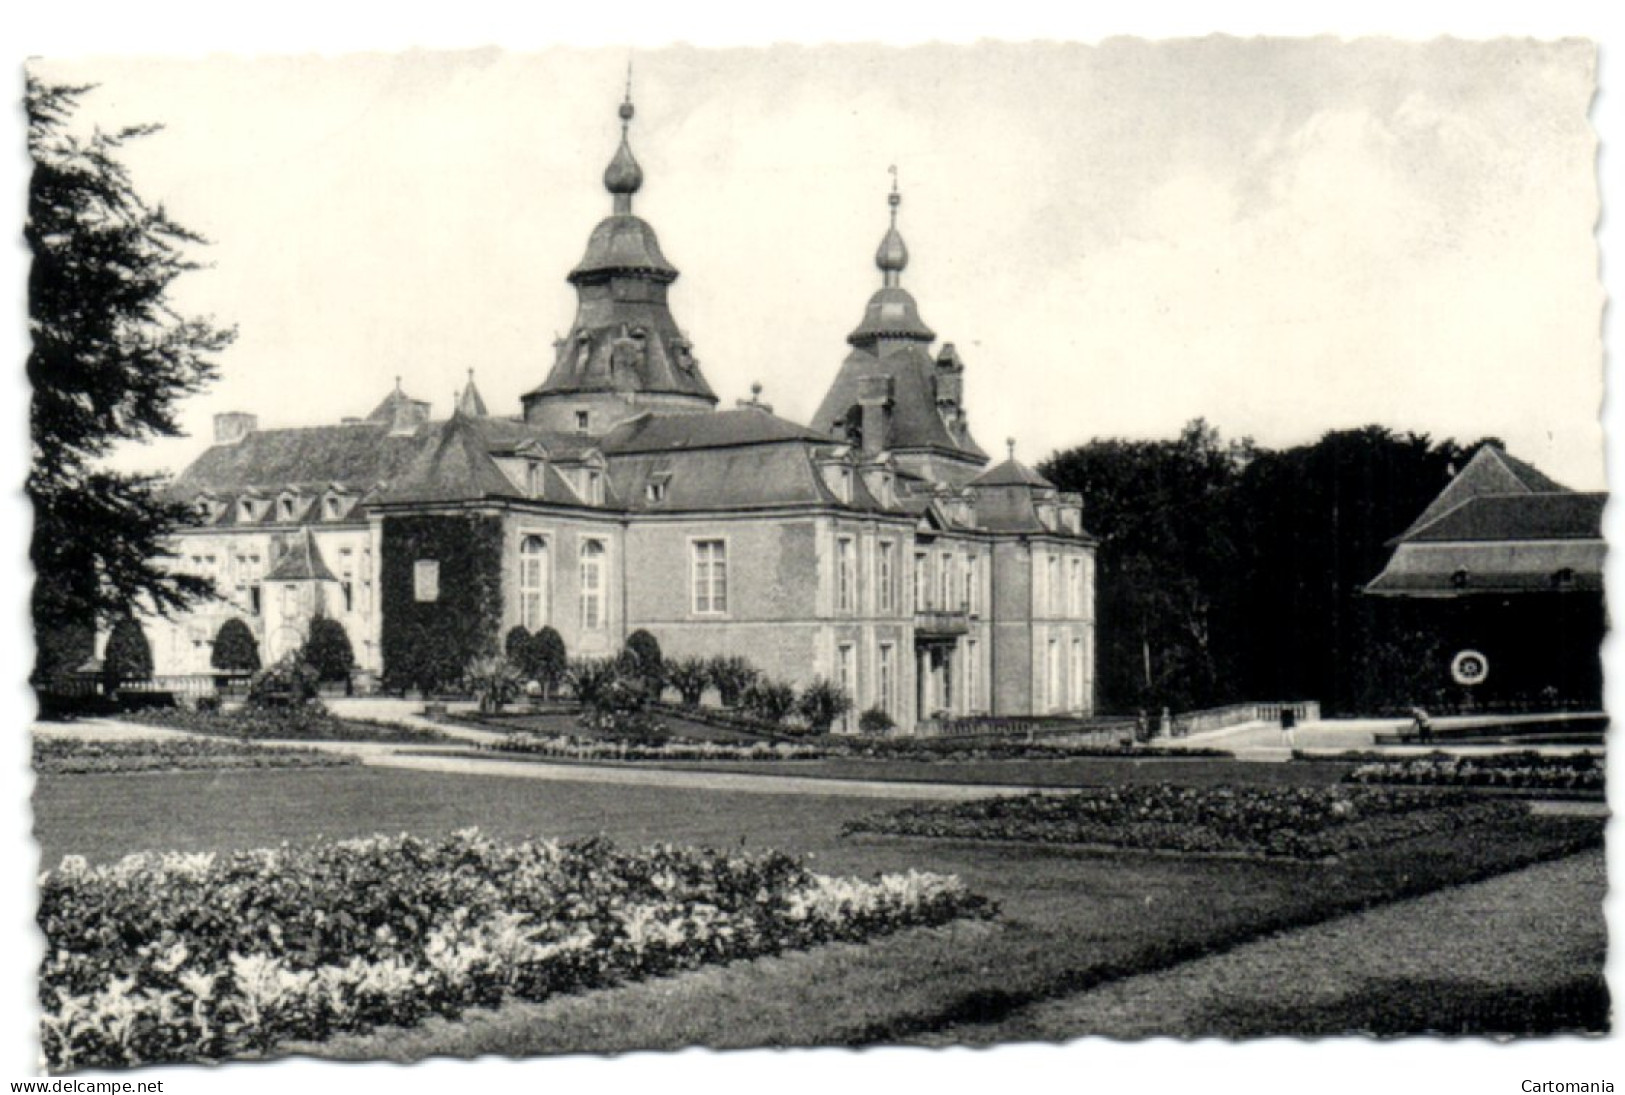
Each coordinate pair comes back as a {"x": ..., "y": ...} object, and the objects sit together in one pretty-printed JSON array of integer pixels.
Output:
[{"x": 1469, "y": 667}]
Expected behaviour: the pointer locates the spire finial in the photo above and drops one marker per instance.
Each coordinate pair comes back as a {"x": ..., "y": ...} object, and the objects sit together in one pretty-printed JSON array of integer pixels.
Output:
[
  {"x": 893, "y": 254},
  {"x": 1010, "y": 443},
  {"x": 623, "y": 177},
  {"x": 627, "y": 110},
  {"x": 397, "y": 382}
]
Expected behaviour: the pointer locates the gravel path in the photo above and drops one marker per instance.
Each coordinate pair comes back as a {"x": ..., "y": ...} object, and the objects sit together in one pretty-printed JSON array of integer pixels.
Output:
[
  {"x": 1466, "y": 959},
  {"x": 703, "y": 781}
]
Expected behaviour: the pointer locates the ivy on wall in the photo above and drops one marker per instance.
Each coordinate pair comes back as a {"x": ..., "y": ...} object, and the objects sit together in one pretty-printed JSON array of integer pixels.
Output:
[{"x": 426, "y": 643}]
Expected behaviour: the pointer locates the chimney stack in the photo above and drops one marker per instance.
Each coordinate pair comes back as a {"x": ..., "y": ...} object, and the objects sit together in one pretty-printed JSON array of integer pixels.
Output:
[
  {"x": 875, "y": 399},
  {"x": 233, "y": 426}
]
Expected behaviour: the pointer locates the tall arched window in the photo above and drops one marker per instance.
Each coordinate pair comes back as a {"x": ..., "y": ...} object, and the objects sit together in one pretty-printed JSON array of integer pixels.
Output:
[
  {"x": 533, "y": 576},
  {"x": 592, "y": 585}
]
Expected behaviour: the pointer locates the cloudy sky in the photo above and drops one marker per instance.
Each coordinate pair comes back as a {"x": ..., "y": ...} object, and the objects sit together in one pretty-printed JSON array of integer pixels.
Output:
[{"x": 1283, "y": 236}]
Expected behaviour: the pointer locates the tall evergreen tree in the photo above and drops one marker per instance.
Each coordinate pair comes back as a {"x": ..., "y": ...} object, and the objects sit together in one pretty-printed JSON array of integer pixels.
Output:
[{"x": 110, "y": 359}]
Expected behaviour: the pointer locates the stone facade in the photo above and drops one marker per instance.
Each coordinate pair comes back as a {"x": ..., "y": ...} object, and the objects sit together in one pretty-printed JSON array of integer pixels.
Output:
[{"x": 874, "y": 548}]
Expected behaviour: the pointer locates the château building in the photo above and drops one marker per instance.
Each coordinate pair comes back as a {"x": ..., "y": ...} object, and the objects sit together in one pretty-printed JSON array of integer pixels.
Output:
[{"x": 875, "y": 546}]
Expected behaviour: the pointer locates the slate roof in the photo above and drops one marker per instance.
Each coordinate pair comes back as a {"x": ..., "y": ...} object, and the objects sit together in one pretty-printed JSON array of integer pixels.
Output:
[
  {"x": 302, "y": 562},
  {"x": 1460, "y": 569},
  {"x": 454, "y": 464},
  {"x": 1500, "y": 526},
  {"x": 722, "y": 478},
  {"x": 915, "y": 423},
  {"x": 623, "y": 243},
  {"x": 360, "y": 455},
  {"x": 1011, "y": 473},
  {"x": 720, "y": 429},
  {"x": 1568, "y": 515},
  {"x": 1490, "y": 471}
]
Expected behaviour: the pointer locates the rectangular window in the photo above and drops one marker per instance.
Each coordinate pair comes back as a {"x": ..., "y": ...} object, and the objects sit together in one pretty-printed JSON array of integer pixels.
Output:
[
  {"x": 426, "y": 579},
  {"x": 534, "y": 574},
  {"x": 1052, "y": 565},
  {"x": 846, "y": 675},
  {"x": 972, "y": 675},
  {"x": 347, "y": 578},
  {"x": 846, "y": 574},
  {"x": 1074, "y": 591},
  {"x": 583, "y": 420},
  {"x": 290, "y": 600},
  {"x": 886, "y": 577},
  {"x": 922, "y": 581},
  {"x": 885, "y": 672},
  {"x": 1075, "y": 678},
  {"x": 968, "y": 600},
  {"x": 1053, "y": 666},
  {"x": 710, "y": 577},
  {"x": 945, "y": 579},
  {"x": 592, "y": 584}
]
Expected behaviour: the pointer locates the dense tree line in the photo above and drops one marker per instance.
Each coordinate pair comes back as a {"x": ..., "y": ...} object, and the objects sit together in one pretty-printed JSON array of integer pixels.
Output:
[{"x": 1230, "y": 572}]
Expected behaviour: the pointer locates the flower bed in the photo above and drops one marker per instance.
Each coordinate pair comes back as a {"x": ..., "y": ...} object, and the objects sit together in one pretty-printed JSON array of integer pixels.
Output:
[
  {"x": 196, "y": 957},
  {"x": 74, "y": 755},
  {"x": 1518, "y": 771},
  {"x": 1288, "y": 822},
  {"x": 996, "y": 749},
  {"x": 569, "y": 747},
  {"x": 299, "y": 723}
]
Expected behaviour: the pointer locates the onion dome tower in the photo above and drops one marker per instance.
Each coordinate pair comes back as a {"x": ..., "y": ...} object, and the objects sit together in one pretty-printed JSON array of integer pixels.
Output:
[
  {"x": 891, "y": 316},
  {"x": 624, "y": 354},
  {"x": 891, "y": 394}
]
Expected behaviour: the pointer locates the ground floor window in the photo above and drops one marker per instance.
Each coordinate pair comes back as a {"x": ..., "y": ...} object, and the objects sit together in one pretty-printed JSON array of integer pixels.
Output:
[
  {"x": 885, "y": 674},
  {"x": 592, "y": 585},
  {"x": 533, "y": 582}
]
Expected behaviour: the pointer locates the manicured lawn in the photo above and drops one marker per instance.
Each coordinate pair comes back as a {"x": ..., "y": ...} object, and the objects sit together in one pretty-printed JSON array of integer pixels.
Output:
[
  {"x": 1070, "y": 921},
  {"x": 1479, "y": 959}
]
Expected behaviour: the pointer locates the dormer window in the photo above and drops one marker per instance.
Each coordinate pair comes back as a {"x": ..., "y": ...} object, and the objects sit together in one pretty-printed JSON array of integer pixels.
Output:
[
  {"x": 1046, "y": 515},
  {"x": 284, "y": 508},
  {"x": 838, "y": 478},
  {"x": 333, "y": 506},
  {"x": 583, "y": 421},
  {"x": 246, "y": 510},
  {"x": 533, "y": 478},
  {"x": 595, "y": 488},
  {"x": 655, "y": 491}
]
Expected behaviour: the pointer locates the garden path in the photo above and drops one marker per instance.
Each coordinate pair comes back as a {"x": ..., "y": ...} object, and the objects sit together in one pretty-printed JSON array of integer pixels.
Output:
[
  {"x": 748, "y": 782},
  {"x": 1263, "y": 741}
]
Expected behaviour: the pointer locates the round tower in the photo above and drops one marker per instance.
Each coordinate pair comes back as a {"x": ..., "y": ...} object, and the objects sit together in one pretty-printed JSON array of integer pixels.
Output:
[{"x": 625, "y": 354}]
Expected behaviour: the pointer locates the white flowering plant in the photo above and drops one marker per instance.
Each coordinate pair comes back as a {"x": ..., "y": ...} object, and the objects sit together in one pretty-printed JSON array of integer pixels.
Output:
[{"x": 171, "y": 957}]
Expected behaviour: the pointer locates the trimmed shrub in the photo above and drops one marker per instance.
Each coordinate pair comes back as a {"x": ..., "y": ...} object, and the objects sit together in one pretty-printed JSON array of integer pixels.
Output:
[
  {"x": 517, "y": 647},
  {"x": 646, "y": 649},
  {"x": 128, "y": 657},
  {"x": 876, "y": 723},
  {"x": 235, "y": 649},
  {"x": 327, "y": 650},
  {"x": 548, "y": 661},
  {"x": 769, "y": 700},
  {"x": 733, "y": 677},
  {"x": 821, "y": 703},
  {"x": 690, "y": 676}
]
